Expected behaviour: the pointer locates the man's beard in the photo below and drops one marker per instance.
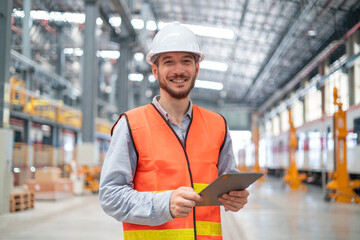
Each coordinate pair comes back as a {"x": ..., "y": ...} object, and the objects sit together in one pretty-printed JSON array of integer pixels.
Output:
[{"x": 178, "y": 95}]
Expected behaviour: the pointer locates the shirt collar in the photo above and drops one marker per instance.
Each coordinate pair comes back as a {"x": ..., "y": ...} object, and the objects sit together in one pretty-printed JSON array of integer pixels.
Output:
[{"x": 164, "y": 113}]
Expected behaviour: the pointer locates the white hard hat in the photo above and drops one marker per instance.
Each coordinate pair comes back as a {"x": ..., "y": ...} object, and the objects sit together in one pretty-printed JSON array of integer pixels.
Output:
[{"x": 174, "y": 38}]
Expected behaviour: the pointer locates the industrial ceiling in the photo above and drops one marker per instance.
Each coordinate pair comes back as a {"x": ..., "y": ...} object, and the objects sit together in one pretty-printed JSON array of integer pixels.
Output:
[{"x": 252, "y": 48}]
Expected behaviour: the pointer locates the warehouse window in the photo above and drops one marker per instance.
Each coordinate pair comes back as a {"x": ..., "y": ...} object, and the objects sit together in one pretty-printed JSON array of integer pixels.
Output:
[
  {"x": 297, "y": 113},
  {"x": 357, "y": 130},
  {"x": 268, "y": 128},
  {"x": 357, "y": 80},
  {"x": 312, "y": 105},
  {"x": 284, "y": 117},
  {"x": 276, "y": 125},
  {"x": 337, "y": 79}
]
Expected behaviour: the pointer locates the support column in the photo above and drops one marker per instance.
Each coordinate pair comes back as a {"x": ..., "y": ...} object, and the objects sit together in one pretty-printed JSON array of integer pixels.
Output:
[
  {"x": 122, "y": 81},
  {"x": 5, "y": 39},
  {"x": 302, "y": 99},
  {"x": 26, "y": 42},
  {"x": 353, "y": 47},
  {"x": 324, "y": 70},
  {"x": 88, "y": 152},
  {"x": 322, "y": 88},
  {"x": 55, "y": 142},
  {"x": 6, "y": 134},
  {"x": 6, "y": 177},
  {"x": 143, "y": 100},
  {"x": 29, "y": 152},
  {"x": 60, "y": 52}
]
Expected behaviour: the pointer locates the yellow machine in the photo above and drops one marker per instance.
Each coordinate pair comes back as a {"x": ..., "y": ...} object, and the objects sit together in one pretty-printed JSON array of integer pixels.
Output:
[
  {"x": 341, "y": 188},
  {"x": 92, "y": 177},
  {"x": 292, "y": 178}
]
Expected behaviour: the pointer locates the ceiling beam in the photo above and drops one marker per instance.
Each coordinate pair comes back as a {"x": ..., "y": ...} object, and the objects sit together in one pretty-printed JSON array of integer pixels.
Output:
[
  {"x": 263, "y": 75},
  {"x": 237, "y": 40},
  {"x": 125, "y": 14}
]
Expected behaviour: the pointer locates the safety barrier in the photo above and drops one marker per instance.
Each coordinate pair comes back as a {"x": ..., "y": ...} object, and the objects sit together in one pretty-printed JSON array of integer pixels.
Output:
[
  {"x": 27, "y": 102},
  {"x": 30, "y": 103},
  {"x": 20, "y": 154},
  {"x": 43, "y": 155}
]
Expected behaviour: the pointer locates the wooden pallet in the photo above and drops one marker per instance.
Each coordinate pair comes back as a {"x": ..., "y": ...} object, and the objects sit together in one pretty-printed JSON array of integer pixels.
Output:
[{"x": 20, "y": 201}]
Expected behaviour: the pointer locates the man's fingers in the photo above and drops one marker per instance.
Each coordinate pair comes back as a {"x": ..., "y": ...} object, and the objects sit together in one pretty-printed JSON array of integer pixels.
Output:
[
  {"x": 190, "y": 194},
  {"x": 232, "y": 207},
  {"x": 234, "y": 200},
  {"x": 182, "y": 201}
]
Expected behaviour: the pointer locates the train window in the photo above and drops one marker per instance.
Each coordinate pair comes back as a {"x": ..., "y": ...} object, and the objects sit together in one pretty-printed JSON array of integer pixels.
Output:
[{"x": 357, "y": 130}]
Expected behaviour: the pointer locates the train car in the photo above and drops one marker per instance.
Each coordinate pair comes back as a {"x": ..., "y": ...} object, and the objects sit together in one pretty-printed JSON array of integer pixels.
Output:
[{"x": 315, "y": 151}]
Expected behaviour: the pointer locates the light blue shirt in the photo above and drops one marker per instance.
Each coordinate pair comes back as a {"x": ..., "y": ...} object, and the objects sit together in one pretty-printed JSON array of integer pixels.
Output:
[{"x": 117, "y": 195}]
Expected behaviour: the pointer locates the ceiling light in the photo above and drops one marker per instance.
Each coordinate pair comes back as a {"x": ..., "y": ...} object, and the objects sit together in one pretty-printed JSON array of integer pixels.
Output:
[
  {"x": 40, "y": 15},
  {"x": 73, "y": 51},
  {"x": 109, "y": 54},
  {"x": 205, "y": 31},
  {"x": 78, "y": 52},
  {"x": 137, "y": 23},
  {"x": 53, "y": 16},
  {"x": 151, "y": 25},
  {"x": 115, "y": 21},
  {"x": 209, "y": 85},
  {"x": 137, "y": 77},
  {"x": 139, "y": 57},
  {"x": 151, "y": 78},
  {"x": 218, "y": 66},
  {"x": 67, "y": 17},
  {"x": 99, "y": 21},
  {"x": 312, "y": 33}
]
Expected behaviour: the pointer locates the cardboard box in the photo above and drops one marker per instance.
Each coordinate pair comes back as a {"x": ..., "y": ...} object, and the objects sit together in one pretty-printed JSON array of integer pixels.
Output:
[
  {"x": 54, "y": 190},
  {"x": 47, "y": 174}
]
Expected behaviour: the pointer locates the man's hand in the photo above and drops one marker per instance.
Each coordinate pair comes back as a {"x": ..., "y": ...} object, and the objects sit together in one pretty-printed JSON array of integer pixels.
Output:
[
  {"x": 234, "y": 200},
  {"x": 182, "y": 201}
]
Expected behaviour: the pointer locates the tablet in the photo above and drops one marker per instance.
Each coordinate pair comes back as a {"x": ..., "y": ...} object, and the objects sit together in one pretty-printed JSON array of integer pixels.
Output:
[{"x": 226, "y": 183}]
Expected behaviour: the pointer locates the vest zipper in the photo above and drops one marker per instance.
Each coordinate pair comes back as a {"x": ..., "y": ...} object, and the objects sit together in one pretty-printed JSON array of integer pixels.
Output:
[{"x": 186, "y": 156}]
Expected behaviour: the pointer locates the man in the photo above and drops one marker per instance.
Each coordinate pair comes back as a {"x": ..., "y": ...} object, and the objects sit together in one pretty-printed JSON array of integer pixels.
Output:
[{"x": 162, "y": 154}]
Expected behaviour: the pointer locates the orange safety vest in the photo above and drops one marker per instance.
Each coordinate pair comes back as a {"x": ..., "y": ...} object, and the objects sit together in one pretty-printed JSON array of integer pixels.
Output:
[{"x": 164, "y": 164}]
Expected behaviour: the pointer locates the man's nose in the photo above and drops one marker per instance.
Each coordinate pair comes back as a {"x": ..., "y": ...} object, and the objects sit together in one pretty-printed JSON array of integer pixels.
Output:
[{"x": 179, "y": 68}]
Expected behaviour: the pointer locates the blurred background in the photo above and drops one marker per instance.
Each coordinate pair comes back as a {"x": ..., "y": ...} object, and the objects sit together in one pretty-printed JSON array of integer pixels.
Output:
[{"x": 284, "y": 73}]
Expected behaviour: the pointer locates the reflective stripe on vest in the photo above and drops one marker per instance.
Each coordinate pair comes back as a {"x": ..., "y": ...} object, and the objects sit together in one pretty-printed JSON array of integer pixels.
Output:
[
  {"x": 193, "y": 164},
  {"x": 203, "y": 229}
]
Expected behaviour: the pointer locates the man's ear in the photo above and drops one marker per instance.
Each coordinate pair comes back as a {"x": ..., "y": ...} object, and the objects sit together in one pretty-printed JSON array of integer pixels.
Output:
[
  {"x": 197, "y": 66},
  {"x": 155, "y": 71}
]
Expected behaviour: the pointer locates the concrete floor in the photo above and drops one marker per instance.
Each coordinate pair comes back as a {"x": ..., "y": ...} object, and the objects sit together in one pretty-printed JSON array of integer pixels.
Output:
[{"x": 273, "y": 213}]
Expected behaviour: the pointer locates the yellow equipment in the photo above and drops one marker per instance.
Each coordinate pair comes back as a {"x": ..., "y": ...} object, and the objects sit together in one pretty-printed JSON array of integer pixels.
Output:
[
  {"x": 41, "y": 108},
  {"x": 292, "y": 178},
  {"x": 341, "y": 188},
  {"x": 255, "y": 139},
  {"x": 242, "y": 166},
  {"x": 92, "y": 177},
  {"x": 17, "y": 92}
]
